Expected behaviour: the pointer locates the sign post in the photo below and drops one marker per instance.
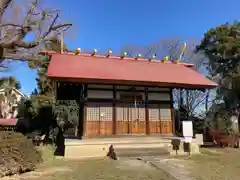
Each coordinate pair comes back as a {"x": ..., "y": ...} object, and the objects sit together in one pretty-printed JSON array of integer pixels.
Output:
[{"x": 187, "y": 127}]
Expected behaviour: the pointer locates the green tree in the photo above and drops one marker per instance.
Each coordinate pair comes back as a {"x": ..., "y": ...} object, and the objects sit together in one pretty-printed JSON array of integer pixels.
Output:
[
  {"x": 9, "y": 82},
  {"x": 46, "y": 114},
  {"x": 44, "y": 84},
  {"x": 221, "y": 45}
]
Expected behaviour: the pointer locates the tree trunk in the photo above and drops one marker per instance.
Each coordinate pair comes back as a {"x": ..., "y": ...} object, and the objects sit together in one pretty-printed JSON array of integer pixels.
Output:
[
  {"x": 206, "y": 102},
  {"x": 3, "y": 6}
]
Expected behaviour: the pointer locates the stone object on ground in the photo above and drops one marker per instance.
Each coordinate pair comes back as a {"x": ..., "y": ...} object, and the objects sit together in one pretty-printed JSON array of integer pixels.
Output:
[
  {"x": 199, "y": 139},
  {"x": 194, "y": 149},
  {"x": 111, "y": 153}
]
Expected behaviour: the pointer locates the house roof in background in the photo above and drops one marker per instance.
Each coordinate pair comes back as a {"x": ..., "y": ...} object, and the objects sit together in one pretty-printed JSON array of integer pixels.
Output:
[
  {"x": 8, "y": 122},
  {"x": 16, "y": 90}
]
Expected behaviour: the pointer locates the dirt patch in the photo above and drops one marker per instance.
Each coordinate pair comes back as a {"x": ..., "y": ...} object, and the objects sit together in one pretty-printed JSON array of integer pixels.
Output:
[
  {"x": 97, "y": 169},
  {"x": 133, "y": 164}
]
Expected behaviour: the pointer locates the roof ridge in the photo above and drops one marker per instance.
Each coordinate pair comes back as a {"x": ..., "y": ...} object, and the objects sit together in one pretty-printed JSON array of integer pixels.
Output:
[{"x": 120, "y": 58}]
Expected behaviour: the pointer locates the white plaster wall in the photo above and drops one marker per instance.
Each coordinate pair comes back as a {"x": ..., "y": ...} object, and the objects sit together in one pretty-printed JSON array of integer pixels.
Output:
[
  {"x": 100, "y": 94},
  {"x": 122, "y": 87},
  {"x": 128, "y": 87},
  {"x": 159, "y": 96},
  {"x": 138, "y": 93},
  {"x": 158, "y": 89},
  {"x": 100, "y": 86}
]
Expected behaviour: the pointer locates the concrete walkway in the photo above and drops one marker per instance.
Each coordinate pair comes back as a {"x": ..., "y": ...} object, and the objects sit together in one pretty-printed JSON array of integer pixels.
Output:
[{"x": 172, "y": 166}]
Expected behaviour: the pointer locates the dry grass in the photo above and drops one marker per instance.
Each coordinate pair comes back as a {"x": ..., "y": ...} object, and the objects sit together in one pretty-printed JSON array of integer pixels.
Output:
[
  {"x": 92, "y": 169},
  {"x": 212, "y": 164},
  {"x": 104, "y": 169},
  {"x": 96, "y": 169},
  {"x": 215, "y": 164}
]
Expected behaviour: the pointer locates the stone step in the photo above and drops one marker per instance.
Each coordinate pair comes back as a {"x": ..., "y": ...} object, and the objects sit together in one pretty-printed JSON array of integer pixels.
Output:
[
  {"x": 92, "y": 148},
  {"x": 73, "y": 142},
  {"x": 139, "y": 152},
  {"x": 81, "y": 152},
  {"x": 123, "y": 140},
  {"x": 101, "y": 149}
]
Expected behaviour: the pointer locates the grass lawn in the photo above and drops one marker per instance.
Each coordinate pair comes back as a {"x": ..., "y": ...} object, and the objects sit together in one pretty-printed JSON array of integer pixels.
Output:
[
  {"x": 212, "y": 164},
  {"x": 219, "y": 164},
  {"x": 94, "y": 169},
  {"x": 101, "y": 169}
]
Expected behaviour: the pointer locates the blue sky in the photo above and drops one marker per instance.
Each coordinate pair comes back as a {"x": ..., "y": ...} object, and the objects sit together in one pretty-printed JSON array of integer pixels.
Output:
[{"x": 115, "y": 23}]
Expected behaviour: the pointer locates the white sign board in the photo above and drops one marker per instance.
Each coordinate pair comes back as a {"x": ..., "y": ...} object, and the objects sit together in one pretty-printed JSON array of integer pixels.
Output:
[{"x": 187, "y": 127}]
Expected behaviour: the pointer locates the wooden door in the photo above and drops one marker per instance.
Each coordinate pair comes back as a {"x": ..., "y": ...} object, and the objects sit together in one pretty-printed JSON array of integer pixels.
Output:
[
  {"x": 133, "y": 119},
  {"x": 137, "y": 119},
  {"x": 160, "y": 120},
  {"x": 130, "y": 119},
  {"x": 122, "y": 119}
]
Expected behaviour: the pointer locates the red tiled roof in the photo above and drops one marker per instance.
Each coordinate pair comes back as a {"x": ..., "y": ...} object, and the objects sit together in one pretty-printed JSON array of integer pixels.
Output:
[
  {"x": 8, "y": 122},
  {"x": 114, "y": 70}
]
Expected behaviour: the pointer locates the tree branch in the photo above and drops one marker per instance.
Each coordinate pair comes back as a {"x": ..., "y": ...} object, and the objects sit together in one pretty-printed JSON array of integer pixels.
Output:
[
  {"x": 11, "y": 25},
  {"x": 12, "y": 42}
]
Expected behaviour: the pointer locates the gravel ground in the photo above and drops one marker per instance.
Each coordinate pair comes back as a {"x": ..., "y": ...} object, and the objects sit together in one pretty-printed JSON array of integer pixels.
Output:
[{"x": 101, "y": 169}]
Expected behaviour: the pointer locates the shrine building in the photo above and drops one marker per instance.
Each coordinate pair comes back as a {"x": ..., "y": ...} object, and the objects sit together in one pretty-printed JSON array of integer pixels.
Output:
[{"x": 118, "y": 95}]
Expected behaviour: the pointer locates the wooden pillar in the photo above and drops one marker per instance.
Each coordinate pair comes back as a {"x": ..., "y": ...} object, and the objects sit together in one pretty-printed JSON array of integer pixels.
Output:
[
  {"x": 187, "y": 102},
  {"x": 172, "y": 112},
  {"x": 147, "y": 112},
  {"x": 180, "y": 104},
  {"x": 85, "y": 95},
  {"x": 114, "y": 128},
  {"x": 81, "y": 112}
]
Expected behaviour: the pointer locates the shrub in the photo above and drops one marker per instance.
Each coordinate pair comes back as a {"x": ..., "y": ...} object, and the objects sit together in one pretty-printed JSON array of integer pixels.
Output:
[{"x": 17, "y": 154}]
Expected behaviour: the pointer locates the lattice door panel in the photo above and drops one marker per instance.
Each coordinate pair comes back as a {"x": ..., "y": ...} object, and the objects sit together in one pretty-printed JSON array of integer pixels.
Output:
[
  {"x": 154, "y": 119},
  {"x": 106, "y": 113},
  {"x": 134, "y": 119},
  {"x": 154, "y": 113},
  {"x": 99, "y": 119},
  {"x": 122, "y": 124},
  {"x": 165, "y": 112},
  {"x": 93, "y": 111}
]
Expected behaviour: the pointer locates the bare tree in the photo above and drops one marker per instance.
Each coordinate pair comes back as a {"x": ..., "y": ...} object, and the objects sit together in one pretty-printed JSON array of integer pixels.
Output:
[
  {"x": 36, "y": 24},
  {"x": 198, "y": 101}
]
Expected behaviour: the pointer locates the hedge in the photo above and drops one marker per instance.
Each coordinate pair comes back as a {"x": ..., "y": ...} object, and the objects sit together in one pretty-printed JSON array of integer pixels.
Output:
[{"x": 17, "y": 154}]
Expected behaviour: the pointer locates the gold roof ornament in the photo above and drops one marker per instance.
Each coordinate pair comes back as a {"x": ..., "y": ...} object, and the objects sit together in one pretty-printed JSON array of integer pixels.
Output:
[
  {"x": 165, "y": 59},
  {"x": 124, "y": 54},
  {"x": 153, "y": 57},
  {"x": 94, "y": 53},
  {"x": 109, "y": 53},
  {"x": 78, "y": 51},
  {"x": 138, "y": 56}
]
